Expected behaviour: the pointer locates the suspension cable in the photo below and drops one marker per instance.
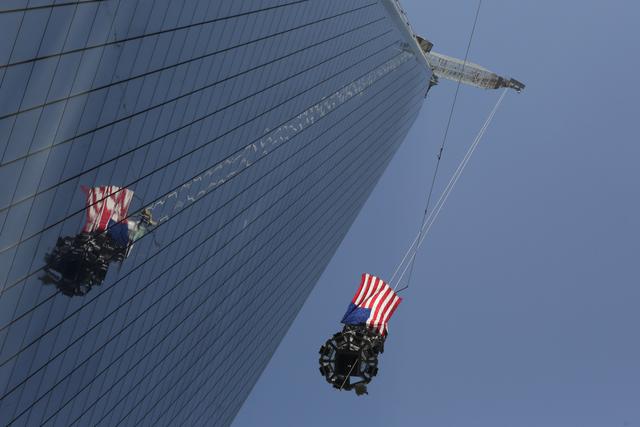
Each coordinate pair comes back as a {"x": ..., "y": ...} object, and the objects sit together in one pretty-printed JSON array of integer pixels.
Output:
[
  {"x": 441, "y": 150},
  {"x": 426, "y": 226}
]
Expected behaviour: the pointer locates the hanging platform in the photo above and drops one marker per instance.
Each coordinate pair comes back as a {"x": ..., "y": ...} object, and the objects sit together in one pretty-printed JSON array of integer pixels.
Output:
[{"x": 349, "y": 360}]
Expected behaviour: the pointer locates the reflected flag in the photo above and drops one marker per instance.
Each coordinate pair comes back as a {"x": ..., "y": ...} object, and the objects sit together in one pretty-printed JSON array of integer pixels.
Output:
[
  {"x": 373, "y": 304},
  {"x": 104, "y": 204}
]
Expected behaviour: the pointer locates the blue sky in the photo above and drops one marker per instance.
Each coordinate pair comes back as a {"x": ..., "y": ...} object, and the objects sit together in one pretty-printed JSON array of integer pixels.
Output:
[{"x": 523, "y": 309}]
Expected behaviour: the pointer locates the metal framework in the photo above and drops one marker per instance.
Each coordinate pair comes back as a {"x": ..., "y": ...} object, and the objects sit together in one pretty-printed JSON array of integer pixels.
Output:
[
  {"x": 78, "y": 263},
  {"x": 449, "y": 68},
  {"x": 349, "y": 359}
]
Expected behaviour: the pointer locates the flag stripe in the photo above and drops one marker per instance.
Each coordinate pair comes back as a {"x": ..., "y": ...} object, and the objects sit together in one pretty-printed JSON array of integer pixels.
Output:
[
  {"x": 382, "y": 293},
  {"x": 372, "y": 293},
  {"x": 389, "y": 312},
  {"x": 383, "y": 307},
  {"x": 378, "y": 306},
  {"x": 358, "y": 295},
  {"x": 104, "y": 204},
  {"x": 368, "y": 292},
  {"x": 379, "y": 298}
]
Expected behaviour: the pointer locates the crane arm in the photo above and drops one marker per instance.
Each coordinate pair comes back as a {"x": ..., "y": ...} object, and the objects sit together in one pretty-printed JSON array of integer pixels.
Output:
[{"x": 449, "y": 68}]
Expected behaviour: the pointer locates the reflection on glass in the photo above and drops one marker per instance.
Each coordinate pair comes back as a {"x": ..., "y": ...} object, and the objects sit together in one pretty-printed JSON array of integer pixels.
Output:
[
  {"x": 220, "y": 173},
  {"x": 77, "y": 263}
]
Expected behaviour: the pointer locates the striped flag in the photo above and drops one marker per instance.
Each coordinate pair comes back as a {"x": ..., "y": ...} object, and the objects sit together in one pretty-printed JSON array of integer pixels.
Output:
[
  {"x": 373, "y": 304},
  {"x": 104, "y": 204}
]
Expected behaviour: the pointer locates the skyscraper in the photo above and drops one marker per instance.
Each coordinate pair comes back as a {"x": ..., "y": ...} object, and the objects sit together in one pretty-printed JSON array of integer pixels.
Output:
[{"x": 252, "y": 131}]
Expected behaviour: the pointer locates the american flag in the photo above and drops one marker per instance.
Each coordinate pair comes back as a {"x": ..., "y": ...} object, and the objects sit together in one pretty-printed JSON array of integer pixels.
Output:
[
  {"x": 104, "y": 204},
  {"x": 373, "y": 304}
]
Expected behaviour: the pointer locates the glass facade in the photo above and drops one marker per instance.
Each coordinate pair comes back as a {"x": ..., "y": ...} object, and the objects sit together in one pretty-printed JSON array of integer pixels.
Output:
[{"x": 252, "y": 130}]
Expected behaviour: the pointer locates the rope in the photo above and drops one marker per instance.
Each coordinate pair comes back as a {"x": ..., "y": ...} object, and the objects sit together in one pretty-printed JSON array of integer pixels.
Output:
[
  {"x": 442, "y": 146},
  {"x": 349, "y": 374},
  {"x": 426, "y": 225}
]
